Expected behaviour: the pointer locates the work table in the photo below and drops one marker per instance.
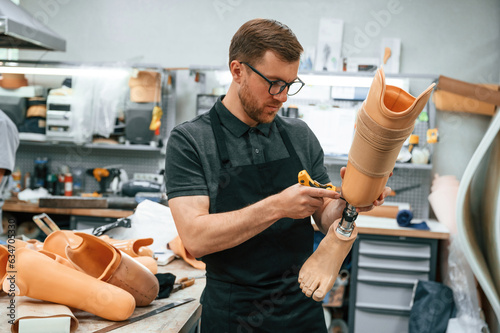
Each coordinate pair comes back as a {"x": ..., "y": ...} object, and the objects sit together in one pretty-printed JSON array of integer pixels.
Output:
[
  {"x": 14, "y": 205},
  {"x": 178, "y": 319}
]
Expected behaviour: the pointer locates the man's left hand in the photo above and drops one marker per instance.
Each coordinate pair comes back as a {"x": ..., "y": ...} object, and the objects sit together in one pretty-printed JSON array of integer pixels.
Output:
[{"x": 378, "y": 202}]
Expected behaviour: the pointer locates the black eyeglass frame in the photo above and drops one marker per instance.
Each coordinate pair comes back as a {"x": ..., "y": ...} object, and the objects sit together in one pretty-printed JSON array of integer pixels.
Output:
[{"x": 286, "y": 85}]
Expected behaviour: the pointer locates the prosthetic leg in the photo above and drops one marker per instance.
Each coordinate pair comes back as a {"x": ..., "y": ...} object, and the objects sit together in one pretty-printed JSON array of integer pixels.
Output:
[{"x": 384, "y": 121}]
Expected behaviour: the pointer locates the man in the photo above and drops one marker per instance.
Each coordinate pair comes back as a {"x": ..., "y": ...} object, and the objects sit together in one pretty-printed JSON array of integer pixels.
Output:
[
  {"x": 9, "y": 141},
  {"x": 231, "y": 178}
]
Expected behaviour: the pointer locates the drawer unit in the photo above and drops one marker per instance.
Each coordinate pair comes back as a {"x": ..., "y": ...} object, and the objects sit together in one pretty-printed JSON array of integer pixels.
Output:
[
  {"x": 383, "y": 294},
  {"x": 385, "y": 270},
  {"x": 372, "y": 320},
  {"x": 394, "y": 276},
  {"x": 394, "y": 263},
  {"x": 395, "y": 249}
]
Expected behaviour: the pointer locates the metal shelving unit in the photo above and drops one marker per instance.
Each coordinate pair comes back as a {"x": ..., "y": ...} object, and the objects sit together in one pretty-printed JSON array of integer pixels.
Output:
[{"x": 133, "y": 158}]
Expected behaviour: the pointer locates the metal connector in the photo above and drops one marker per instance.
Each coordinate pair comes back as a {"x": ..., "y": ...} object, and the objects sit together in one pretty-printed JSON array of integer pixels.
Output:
[{"x": 346, "y": 224}]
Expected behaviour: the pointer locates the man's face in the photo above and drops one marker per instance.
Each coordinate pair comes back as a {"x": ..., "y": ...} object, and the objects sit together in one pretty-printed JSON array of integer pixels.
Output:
[{"x": 254, "y": 94}]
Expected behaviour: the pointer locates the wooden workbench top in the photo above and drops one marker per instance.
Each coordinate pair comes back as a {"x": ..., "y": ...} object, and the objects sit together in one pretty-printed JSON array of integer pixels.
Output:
[
  {"x": 27, "y": 207},
  {"x": 178, "y": 319}
]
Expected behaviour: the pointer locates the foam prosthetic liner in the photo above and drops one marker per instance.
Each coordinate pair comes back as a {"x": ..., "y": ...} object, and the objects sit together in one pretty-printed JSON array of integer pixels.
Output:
[
  {"x": 318, "y": 274},
  {"x": 102, "y": 261},
  {"x": 28, "y": 308},
  {"x": 38, "y": 276},
  {"x": 384, "y": 121},
  {"x": 132, "y": 247}
]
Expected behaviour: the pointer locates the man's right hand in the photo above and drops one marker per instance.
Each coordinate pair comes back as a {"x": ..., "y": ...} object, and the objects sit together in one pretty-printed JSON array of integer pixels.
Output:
[{"x": 299, "y": 201}]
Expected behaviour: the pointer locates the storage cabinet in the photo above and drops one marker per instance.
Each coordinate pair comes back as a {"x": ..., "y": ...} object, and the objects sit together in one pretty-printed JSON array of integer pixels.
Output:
[{"x": 384, "y": 272}]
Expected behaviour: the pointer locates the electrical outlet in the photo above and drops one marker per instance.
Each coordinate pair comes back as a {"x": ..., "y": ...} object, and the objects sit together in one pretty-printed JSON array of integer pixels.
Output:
[{"x": 149, "y": 176}]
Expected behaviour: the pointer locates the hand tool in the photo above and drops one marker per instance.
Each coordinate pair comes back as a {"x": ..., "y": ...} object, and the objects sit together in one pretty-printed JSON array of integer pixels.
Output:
[
  {"x": 103, "y": 177},
  {"x": 349, "y": 215},
  {"x": 403, "y": 189},
  {"x": 144, "y": 316},
  {"x": 183, "y": 283},
  {"x": 121, "y": 222},
  {"x": 45, "y": 223}
]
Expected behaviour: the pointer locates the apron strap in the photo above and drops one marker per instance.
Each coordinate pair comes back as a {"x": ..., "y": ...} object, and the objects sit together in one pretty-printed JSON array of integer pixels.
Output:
[
  {"x": 285, "y": 137},
  {"x": 219, "y": 138}
]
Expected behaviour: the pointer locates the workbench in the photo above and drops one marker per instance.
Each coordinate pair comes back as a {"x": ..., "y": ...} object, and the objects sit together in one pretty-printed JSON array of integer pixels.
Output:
[
  {"x": 17, "y": 206},
  {"x": 183, "y": 318}
]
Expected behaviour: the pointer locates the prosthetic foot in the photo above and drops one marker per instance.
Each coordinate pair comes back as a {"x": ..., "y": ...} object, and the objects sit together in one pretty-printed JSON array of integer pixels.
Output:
[
  {"x": 319, "y": 272},
  {"x": 384, "y": 121},
  {"x": 40, "y": 277},
  {"x": 102, "y": 261}
]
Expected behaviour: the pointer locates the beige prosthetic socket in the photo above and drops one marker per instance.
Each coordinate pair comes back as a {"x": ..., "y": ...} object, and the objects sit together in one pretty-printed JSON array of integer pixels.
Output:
[
  {"x": 132, "y": 247},
  {"x": 4, "y": 260},
  {"x": 318, "y": 274},
  {"x": 149, "y": 262},
  {"x": 57, "y": 258},
  {"x": 40, "y": 277},
  {"x": 102, "y": 261},
  {"x": 28, "y": 308},
  {"x": 384, "y": 121},
  {"x": 57, "y": 241}
]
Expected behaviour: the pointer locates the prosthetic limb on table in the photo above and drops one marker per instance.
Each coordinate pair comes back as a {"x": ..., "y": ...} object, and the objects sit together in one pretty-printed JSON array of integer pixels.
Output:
[{"x": 384, "y": 121}]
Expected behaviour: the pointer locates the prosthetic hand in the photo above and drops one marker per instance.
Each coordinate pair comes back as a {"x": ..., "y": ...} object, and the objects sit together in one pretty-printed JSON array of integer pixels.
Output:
[{"x": 383, "y": 123}]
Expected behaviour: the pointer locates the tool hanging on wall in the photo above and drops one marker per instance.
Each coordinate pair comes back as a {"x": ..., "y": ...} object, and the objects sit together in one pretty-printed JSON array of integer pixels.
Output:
[{"x": 104, "y": 177}]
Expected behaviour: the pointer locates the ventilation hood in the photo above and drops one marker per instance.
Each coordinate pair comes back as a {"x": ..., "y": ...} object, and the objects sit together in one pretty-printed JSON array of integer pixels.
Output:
[{"x": 20, "y": 30}]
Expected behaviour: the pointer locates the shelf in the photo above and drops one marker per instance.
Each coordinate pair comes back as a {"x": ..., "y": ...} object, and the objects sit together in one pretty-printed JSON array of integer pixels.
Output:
[
  {"x": 341, "y": 160},
  {"x": 145, "y": 148}
]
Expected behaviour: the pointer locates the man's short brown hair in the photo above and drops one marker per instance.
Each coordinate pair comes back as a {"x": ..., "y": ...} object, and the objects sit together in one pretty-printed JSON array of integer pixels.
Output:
[{"x": 257, "y": 36}]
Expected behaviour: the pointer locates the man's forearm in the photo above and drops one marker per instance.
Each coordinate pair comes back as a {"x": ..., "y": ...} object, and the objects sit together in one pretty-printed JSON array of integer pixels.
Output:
[
  {"x": 330, "y": 211},
  {"x": 209, "y": 233}
]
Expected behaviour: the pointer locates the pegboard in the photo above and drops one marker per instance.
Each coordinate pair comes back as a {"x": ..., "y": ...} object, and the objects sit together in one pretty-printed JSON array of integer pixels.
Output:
[
  {"x": 73, "y": 156},
  {"x": 403, "y": 177},
  {"x": 132, "y": 159}
]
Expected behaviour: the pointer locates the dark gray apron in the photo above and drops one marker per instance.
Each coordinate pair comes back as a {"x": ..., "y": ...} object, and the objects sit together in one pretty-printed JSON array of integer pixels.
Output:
[{"x": 253, "y": 287}]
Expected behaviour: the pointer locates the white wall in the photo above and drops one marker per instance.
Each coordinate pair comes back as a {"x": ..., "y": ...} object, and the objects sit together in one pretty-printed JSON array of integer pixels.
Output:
[{"x": 456, "y": 38}]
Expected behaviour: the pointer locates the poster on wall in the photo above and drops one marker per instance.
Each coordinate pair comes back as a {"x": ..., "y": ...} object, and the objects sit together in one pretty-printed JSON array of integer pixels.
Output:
[{"x": 329, "y": 47}]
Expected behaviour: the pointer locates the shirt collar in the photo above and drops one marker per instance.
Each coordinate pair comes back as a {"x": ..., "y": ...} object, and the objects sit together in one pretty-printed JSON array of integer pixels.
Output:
[{"x": 236, "y": 126}]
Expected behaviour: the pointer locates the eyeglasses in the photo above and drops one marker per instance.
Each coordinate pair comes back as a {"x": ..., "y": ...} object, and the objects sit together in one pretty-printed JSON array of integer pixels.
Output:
[{"x": 277, "y": 86}]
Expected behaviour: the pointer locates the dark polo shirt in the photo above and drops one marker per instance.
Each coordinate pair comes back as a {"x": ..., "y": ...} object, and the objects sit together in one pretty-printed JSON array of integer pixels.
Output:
[{"x": 192, "y": 160}]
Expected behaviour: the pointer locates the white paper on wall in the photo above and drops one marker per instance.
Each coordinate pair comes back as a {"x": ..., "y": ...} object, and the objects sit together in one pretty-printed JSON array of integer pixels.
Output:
[
  {"x": 328, "y": 51},
  {"x": 392, "y": 65},
  {"x": 334, "y": 127}
]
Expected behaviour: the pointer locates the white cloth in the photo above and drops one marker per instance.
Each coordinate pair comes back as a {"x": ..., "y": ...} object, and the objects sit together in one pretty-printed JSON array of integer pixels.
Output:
[{"x": 9, "y": 141}]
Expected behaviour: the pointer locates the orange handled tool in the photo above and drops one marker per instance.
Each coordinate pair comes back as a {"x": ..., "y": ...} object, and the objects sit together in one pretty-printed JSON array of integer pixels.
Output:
[{"x": 306, "y": 180}]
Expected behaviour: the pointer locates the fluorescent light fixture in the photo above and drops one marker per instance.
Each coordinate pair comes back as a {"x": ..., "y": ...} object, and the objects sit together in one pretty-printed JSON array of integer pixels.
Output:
[
  {"x": 337, "y": 81},
  {"x": 77, "y": 71},
  {"x": 349, "y": 81}
]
